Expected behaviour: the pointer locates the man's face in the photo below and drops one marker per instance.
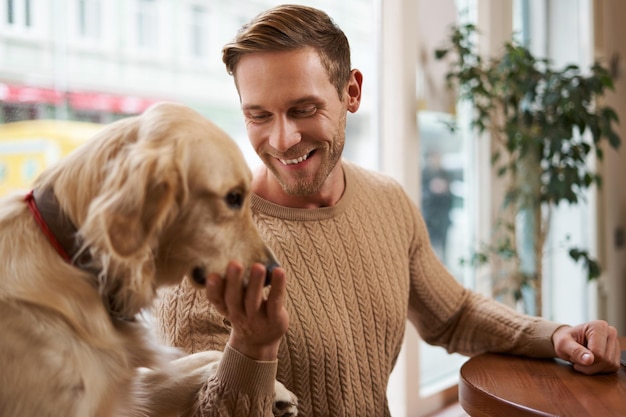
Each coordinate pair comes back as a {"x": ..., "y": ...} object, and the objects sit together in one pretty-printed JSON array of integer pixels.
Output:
[{"x": 294, "y": 117}]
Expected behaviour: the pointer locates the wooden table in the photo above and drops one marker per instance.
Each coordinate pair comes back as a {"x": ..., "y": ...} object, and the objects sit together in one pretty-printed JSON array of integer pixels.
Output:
[{"x": 493, "y": 385}]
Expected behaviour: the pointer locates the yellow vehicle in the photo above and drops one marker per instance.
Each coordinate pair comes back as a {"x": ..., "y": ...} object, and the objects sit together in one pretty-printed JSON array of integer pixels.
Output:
[{"x": 28, "y": 147}]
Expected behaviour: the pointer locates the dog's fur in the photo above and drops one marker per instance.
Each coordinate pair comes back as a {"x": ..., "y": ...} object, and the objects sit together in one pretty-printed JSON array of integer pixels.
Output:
[{"x": 154, "y": 198}]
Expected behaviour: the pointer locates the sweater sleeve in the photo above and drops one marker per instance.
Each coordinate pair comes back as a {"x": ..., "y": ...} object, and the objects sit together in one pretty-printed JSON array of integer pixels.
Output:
[
  {"x": 241, "y": 387},
  {"x": 449, "y": 315}
]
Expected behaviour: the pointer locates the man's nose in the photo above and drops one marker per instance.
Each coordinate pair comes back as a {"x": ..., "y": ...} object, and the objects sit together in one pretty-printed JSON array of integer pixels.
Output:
[{"x": 284, "y": 134}]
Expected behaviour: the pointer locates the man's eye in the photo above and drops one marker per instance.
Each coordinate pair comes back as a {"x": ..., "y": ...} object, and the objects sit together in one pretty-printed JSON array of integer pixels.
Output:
[
  {"x": 258, "y": 117},
  {"x": 304, "y": 111},
  {"x": 234, "y": 199}
]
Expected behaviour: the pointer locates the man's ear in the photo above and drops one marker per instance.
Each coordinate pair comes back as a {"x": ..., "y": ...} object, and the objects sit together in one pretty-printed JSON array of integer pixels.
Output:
[{"x": 353, "y": 89}]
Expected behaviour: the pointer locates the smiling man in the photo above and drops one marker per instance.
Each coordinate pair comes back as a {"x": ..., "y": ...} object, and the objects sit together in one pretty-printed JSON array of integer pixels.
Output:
[
  {"x": 296, "y": 122},
  {"x": 354, "y": 248}
]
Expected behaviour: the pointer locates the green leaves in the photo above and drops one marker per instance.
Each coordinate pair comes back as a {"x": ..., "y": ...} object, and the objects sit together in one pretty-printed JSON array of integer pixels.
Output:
[
  {"x": 545, "y": 110},
  {"x": 548, "y": 120},
  {"x": 591, "y": 265}
]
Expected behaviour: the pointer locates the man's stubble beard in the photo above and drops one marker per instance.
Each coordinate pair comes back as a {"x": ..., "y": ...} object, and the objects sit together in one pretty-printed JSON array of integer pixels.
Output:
[{"x": 303, "y": 187}]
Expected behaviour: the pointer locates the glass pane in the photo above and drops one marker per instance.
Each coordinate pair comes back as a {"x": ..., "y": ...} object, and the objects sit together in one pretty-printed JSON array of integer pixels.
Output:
[
  {"x": 445, "y": 211},
  {"x": 444, "y": 161},
  {"x": 442, "y": 186},
  {"x": 27, "y": 13},
  {"x": 146, "y": 24},
  {"x": 10, "y": 11},
  {"x": 199, "y": 33},
  {"x": 89, "y": 19}
]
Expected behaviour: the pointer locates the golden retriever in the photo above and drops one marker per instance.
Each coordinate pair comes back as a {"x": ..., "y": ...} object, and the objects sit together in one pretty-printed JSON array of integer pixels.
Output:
[{"x": 147, "y": 201}]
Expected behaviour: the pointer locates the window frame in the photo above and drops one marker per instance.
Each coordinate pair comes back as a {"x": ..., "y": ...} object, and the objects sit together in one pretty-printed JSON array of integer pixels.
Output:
[{"x": 19, "y": 28}]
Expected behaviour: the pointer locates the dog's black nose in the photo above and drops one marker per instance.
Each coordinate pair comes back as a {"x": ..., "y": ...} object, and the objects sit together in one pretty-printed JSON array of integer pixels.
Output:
[{"x": 198, "y": 276}]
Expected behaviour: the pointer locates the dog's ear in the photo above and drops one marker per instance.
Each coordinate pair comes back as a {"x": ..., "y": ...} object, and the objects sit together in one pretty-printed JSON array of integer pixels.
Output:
[
  {"x": 131, "y": 227},
  {"x": 138, "y": 196}
]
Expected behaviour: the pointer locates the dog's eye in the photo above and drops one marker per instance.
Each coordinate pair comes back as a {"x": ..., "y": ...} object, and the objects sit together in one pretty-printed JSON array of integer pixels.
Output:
[{"x": 234, "y": 199}]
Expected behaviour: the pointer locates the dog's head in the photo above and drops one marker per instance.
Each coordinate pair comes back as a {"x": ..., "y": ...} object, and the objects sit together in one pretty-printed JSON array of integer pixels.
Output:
[{"x": 158, "y": 197}]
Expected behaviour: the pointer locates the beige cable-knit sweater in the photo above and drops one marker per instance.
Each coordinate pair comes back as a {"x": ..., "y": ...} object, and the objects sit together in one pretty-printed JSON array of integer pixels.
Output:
[{"x": 356, "y": 271}]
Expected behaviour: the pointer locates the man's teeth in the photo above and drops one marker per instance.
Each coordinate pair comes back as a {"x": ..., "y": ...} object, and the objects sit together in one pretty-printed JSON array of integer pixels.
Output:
[{"x": 294, "y": 161}]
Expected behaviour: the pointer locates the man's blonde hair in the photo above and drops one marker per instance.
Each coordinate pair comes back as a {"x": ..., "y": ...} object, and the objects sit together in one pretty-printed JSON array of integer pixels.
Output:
[{"x": 289, "y": 27}]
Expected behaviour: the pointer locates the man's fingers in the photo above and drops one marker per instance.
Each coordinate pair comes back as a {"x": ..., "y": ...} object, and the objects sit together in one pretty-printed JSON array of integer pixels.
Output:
[
  {"x": 613, "y": 350},
  {"x": 233, "y": 292},
  {"x": 602, "y": 340},
  {"x": 237, "y": 299},
  {"x": 276, "y": 296},
  {"x": 600, "y": 352},
  {"x": 225, "y": 292},
  {"x": 215, "y": 286},
  {"x": 254, "y": 289},
  {"x": 597, "y": 337}
]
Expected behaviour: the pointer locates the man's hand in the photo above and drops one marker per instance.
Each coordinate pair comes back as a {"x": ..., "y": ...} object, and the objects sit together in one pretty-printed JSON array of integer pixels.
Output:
[
  {"x": 258, "y": 321},
  {"x": 591, "y": 347}
]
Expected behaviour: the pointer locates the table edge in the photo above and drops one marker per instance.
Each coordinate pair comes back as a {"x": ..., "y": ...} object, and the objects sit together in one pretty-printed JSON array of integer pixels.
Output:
[{"x": 471, "y": 396}]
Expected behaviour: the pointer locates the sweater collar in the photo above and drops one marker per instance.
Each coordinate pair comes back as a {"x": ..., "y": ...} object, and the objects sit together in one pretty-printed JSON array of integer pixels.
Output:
[{"x": 263, "y": 206}]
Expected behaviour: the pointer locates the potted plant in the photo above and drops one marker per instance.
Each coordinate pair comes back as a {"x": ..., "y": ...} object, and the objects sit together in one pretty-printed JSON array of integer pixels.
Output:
[{"x": 546, "y": 123}]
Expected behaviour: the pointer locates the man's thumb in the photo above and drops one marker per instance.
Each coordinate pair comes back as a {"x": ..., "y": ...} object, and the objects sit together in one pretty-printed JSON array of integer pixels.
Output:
[
  {"x": 577, "y": 354},
  {"x": 585, "y": 357}
]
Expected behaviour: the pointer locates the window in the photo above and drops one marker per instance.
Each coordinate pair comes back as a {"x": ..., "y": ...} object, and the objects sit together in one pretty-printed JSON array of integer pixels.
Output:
[
  {"x": 546, "y": 26},
  {"x": 90, "y": 19},
  {"x": 147, "y": 25},
  {"x": 19, "y": 14},
  {"x": 198, "y": 29},
  {"x": 444, "y": 204},
  {"x": 10, "y": 12},
  {"x": 446, "y": 181}
]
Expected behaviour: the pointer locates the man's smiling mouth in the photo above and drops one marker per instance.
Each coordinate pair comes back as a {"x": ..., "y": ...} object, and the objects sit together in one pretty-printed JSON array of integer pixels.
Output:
[{"x": 295, "y": 160}]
